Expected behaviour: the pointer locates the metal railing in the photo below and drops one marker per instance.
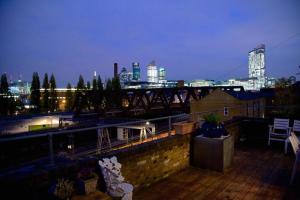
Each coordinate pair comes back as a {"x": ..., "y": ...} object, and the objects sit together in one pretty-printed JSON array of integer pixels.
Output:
[{"x": 51, "y": 147}]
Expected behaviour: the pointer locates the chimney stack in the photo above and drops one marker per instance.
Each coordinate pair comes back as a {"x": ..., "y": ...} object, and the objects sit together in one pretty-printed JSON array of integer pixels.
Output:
[{"x": 115, "y": 70}]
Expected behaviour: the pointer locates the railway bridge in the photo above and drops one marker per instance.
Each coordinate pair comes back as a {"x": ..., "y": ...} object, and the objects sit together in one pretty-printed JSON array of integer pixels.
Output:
[{"x": 167, "y": 98}]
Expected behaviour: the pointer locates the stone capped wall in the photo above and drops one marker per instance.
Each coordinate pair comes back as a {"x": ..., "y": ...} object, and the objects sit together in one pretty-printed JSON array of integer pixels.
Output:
[{"x": 150, "y": 162}]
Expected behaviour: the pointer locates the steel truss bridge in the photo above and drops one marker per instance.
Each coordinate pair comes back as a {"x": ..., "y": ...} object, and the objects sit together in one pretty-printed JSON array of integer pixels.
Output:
[{"x": 167, "y": 98}]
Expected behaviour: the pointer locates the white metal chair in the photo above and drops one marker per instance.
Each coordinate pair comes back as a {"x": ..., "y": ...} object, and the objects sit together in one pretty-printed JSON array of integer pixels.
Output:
[
  {"x": 296, "y": 126},
  {"x": 280, "y": 131},
  {"x": 116, "y": 187}
]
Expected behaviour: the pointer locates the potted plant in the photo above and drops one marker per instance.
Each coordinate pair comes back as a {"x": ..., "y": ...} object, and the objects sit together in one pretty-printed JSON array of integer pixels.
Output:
[
  {"x": 212, "y": 127},
  {"x": 63, "y": 189},
  {"x": 88, "y": 180},
  {"x": 210, "y": 145}
]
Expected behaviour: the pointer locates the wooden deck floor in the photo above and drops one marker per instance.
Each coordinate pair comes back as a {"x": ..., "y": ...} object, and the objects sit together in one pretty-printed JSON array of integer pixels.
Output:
[{"x": 257, "y": 173}]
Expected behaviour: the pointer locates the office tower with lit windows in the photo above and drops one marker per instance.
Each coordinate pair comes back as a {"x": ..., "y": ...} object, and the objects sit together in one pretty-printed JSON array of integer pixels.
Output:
[
  {"x": 152, "y": 73},
  {"x": 136, "y": 71},
  {"x": 257, "y": 67},
  {"x": 161, "y": 74}
]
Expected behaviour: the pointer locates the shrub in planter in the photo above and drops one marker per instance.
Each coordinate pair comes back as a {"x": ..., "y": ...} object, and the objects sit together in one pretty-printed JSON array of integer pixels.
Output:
[
  {"x": 212, "y": 127},
  {"x": 63, "y": 189}
]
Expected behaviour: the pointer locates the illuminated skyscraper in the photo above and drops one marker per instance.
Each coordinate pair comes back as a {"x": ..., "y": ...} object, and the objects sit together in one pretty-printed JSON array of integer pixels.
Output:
[
  {"x": 152, "y": 73},
  {"x": 136, "y": 71},
  {"x": 161, "y": 74},
  {"x": 257, "y": 67}
]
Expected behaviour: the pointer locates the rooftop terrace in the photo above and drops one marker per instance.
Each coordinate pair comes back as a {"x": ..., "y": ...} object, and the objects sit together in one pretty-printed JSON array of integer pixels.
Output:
[{"x": 160, "y": 167}]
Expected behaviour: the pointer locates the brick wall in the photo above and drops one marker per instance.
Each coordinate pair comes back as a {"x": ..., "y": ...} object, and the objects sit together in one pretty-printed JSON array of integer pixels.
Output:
[{"x": 145, "y": 164}]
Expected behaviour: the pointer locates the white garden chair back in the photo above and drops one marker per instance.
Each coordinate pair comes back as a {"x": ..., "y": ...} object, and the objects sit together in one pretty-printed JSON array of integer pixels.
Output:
[
  {"x": 116, "y": 187},
  {"x": 296, "y": 126},
  {"x": 279, "y": 131}
]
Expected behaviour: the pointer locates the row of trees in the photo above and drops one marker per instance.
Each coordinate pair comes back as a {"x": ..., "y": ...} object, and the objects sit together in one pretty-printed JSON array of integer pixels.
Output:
[
  {"x": 7, "y": 102},
  {"x": 48, "y": 101},
  {"x": 94, "y": 97},
  {"x": 86, "y": 97}
]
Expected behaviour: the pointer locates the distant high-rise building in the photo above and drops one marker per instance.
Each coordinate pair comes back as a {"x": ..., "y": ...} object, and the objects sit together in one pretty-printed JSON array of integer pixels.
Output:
[
  {"x": 152, "y": 73},
  {"x": 115, "y": 70},
  {"x": 161, "y": 74},
  {"x": 123, "y": 75},
  {"x": 257, "y": 67},
  {"x": 136, "y": 71}
]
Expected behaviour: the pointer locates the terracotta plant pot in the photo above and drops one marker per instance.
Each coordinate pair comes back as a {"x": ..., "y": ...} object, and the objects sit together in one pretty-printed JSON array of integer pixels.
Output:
[{"x": 184, "y": 127}]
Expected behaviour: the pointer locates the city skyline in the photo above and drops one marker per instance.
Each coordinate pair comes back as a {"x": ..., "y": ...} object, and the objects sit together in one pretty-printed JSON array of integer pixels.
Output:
[{"x": 209, "y": 40}]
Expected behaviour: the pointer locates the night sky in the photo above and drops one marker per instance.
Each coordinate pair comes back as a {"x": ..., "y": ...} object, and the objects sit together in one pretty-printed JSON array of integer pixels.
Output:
[{"x": 191, "y": 39}]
